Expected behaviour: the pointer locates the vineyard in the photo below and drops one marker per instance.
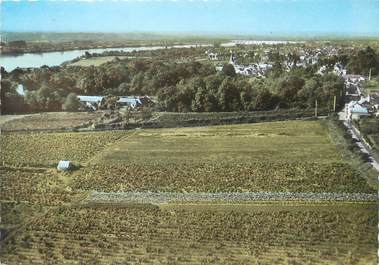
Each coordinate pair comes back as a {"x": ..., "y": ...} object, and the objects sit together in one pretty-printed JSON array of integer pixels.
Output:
[
  {"x": 144, "y": 234},
  {"x": 219, "y": 177},
  {"x": 49, "y": 121},
  {"x": 46, "y": 149},
  {"x": 48, "y": 217},
  {"x": 32, "y": 186},
  {"x": 271, "y": 142},
  {"x": 294, "y": 156}
]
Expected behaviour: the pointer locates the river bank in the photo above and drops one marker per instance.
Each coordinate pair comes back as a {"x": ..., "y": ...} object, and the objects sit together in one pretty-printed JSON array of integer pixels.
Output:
[{"x": 54, "y": 58}]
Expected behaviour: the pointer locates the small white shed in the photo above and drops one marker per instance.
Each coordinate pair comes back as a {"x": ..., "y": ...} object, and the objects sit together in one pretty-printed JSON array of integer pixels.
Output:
[{"x": 64, "y": 165}]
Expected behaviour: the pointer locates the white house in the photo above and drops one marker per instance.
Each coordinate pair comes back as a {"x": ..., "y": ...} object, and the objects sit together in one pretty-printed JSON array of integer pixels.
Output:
[
  {"x": 213, "y": 56},
  {"x": 354, "y": 110}
]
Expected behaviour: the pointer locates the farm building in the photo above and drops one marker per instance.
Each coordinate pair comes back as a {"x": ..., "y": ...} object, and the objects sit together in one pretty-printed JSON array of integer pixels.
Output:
[
  {"x": 65, "y": 165},
  {"x": 91, "y": 102},
  {"x": 132, "y": 102}
]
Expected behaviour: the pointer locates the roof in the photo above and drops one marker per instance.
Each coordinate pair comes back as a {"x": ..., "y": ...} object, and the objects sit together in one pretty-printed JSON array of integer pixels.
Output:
[
  {"x": 94, "y": 99},
  {"x": 129, "y": 100},
  {"x": 358, "y": 109},
  {"x": 349, "y": 76}
]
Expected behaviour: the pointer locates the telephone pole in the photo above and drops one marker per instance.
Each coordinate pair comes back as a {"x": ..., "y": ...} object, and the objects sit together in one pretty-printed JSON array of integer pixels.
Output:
[
  {"x": 316, "y": 108},
  {"x": 334, "y": 103}
]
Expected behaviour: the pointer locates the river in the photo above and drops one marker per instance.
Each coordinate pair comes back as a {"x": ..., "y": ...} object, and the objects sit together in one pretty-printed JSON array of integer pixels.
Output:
[{"x": 10, "y": 62}]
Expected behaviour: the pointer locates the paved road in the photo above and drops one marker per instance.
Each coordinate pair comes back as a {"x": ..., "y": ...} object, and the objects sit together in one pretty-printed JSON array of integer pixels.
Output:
[
  {"x": 358, "y": 139},
  {"x": 166, "y": 197}
]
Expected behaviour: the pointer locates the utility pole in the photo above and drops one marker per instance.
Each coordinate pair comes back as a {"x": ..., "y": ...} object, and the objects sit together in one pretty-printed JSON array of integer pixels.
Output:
[
  {"x": 369, "y": 75},
  {"x": 316, "y": 109},
  {"x": 334, "y": 103}
]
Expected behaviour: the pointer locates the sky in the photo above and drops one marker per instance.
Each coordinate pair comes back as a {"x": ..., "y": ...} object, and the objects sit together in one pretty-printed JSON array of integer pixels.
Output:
[{"x": 240, "y": 17}]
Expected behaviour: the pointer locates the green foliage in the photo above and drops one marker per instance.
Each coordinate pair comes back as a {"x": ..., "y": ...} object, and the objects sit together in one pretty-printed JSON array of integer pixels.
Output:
[
  {"x": 71, "y": 103},
  {"x": 363, "y": 61},
  {"x": 228, "y": 70},
  {"x": 44, "y": 99},
  {"x": 183, "y": 82},
  {"x": 11, "y": 101}
]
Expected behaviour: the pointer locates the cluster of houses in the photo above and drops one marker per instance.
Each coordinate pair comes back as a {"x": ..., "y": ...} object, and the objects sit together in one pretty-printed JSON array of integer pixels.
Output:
[
  {"x": 305, "y": 58},
  {"x": 255, "y": 69},
  {"x": 360, "y": 106},
  {"x": 96, "y": 102}
]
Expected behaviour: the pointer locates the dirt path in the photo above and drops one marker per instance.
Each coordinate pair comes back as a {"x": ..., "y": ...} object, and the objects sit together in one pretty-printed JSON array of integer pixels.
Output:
[
  {"x": 166, "y": 197},
  {"x": 7, "y": 118}
]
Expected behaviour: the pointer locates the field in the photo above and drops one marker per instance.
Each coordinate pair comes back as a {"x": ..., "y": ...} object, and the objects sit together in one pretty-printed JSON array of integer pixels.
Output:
[
  {"x": 96, "y": 61},
  {"x": 45, "y": 150},
  {"x": 279, "y": 156},
  {"x": 295, "y": 234},
  {"x": 46, "y": 121},
  {"x": 33, "y": 186},
  {"x": 48, "y": 216}
]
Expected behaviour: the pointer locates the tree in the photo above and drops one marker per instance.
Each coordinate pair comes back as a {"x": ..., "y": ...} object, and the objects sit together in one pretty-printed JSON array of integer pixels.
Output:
[
  {"x": 71, "y": 103},
  {"x": 204, "y": 100},
  {"x": 308, "y": 94},
  {"x": 48, "y": 98},
  {"x": 167, "y": 98},
  {"x": 264, "y": 100},
  {"x": 365, "y": 60},
  {"x": 289, "y": 86},
  {"x": 228, "y": 70},
  {"x": 229, "y": 95},
  {"x": 31, "y": 99},
  {"x": 11, "y": 101}
]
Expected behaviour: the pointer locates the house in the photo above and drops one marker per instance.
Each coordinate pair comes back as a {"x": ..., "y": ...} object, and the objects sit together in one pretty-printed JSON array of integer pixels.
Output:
[
  {"x": 354, "y": 110},
  {"x": 65, "y": 165},
  {"x": 354, "y": 78},
  {"x": 132, "y": 102},
  {"x": 212, "y": 56},
  {"x": 91, "y": 102}
]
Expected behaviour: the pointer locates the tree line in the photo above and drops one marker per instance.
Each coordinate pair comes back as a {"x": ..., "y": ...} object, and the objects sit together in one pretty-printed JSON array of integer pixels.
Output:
[{"x": 185, "y": 85}]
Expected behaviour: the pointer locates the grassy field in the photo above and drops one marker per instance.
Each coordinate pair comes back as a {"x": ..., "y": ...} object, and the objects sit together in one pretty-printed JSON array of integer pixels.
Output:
[
  {"x": 46, "y": 121},
  {"x": 95, "y": 61},
  {"x": 47, "y": 221},
  {"x": 279, "y": 156},
  {"x": 251, "y": 234},
  {"x": 276, "y": 141}
]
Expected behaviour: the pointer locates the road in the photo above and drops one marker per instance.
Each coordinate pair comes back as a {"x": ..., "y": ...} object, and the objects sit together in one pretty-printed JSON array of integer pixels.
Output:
[{"x": 354, "y": 135}]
